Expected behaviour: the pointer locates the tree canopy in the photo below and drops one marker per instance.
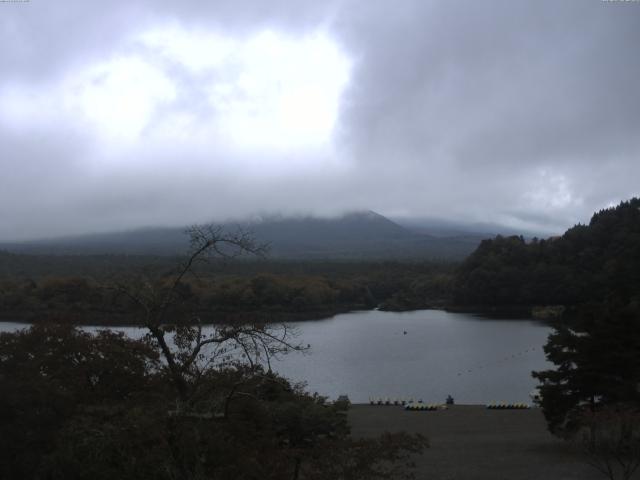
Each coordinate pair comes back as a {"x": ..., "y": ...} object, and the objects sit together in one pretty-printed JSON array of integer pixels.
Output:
[
  {"x": 596, "y": 351},
  {"x": 103, "y": 406},
  {"x": 598, "y": 260}
]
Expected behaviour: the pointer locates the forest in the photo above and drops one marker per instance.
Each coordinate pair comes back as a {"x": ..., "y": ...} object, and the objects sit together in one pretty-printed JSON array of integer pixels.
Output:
[
  {"x": 82, "y": 289},
  {"x": 598, "y": 260}
]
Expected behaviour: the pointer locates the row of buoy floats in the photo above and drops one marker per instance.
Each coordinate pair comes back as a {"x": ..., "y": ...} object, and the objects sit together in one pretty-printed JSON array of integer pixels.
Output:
[
  {"x": 410, "y": 404},
  {"x": 423, "y": 407},
  {"x": 508, "y": 406},
  {"x": 391, "y": 401}
]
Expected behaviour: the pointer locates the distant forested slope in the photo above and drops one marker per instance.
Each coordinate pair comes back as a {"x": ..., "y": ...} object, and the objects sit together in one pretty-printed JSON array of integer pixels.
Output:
[
  {"x": 596, "y": 261},
  {"x": 354, "y": 236}
]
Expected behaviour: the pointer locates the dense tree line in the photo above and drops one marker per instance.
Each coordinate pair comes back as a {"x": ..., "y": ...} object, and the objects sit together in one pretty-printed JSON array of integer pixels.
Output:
[
  {"x": 598, "y": 260},
  {"x": 278, "y": 291}
]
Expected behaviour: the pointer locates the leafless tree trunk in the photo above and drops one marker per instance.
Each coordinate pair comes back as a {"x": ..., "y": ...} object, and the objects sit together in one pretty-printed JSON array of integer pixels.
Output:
[{"x": 193, "y": 350}]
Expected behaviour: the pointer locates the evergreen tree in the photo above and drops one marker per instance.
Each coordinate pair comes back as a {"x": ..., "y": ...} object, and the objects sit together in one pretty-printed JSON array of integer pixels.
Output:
[{"x": 597, "y": 356}]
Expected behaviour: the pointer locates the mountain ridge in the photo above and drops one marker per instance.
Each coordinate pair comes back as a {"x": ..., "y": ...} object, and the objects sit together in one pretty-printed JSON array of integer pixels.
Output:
[{"x": 354, "y": 235}]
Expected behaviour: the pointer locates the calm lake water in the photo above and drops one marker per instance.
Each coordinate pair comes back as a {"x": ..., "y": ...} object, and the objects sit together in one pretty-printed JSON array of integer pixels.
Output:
[{"x": 368, "y": 354}]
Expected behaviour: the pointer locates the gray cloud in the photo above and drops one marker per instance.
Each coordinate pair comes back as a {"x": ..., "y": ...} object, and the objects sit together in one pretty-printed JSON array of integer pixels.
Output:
[{"x": 521, "y": 113}]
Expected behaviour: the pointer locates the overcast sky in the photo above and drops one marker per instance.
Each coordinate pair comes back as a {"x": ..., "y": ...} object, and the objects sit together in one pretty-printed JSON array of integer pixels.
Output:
[{"x": 121, "y": 114}]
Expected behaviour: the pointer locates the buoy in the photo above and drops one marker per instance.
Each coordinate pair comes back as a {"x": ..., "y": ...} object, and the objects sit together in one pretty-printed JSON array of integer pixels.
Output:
[{"x": 508, "y": 406}]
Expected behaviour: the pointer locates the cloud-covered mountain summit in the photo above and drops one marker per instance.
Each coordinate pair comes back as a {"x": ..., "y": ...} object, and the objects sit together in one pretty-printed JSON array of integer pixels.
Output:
[
  {"x": 122, "y": 114},
  {"x": 357, "y": 235}
]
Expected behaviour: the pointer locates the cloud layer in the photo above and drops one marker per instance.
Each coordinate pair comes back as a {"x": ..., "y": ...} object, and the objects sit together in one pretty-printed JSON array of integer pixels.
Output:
[{"x": 120, "y": 115}]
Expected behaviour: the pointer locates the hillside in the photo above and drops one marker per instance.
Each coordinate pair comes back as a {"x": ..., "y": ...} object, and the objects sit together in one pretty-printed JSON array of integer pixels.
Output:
[
  {"x": 597, "y": 261},
  {"x": 360, "y": 235}
]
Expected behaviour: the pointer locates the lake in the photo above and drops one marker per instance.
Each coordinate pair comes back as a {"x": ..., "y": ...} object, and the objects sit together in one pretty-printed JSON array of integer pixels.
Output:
[{"x": 368, "y": 354}]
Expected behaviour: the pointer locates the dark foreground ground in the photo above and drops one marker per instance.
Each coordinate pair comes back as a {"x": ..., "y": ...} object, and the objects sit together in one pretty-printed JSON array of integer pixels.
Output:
[{"x": 471, "y": 442}]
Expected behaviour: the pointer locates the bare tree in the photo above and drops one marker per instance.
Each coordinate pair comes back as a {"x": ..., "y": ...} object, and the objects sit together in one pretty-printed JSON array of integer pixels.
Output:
[
  {"x": 610, "y": 439},
  {"x": 189, "y": 350}
]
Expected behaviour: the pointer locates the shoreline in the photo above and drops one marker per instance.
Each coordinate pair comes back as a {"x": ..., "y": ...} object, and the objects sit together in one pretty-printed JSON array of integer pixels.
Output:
[{"x": 119, "y": 319}]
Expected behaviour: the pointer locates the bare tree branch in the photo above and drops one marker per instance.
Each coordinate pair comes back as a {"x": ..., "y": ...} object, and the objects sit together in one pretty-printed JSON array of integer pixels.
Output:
[{"x": 186, "y": 356}]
